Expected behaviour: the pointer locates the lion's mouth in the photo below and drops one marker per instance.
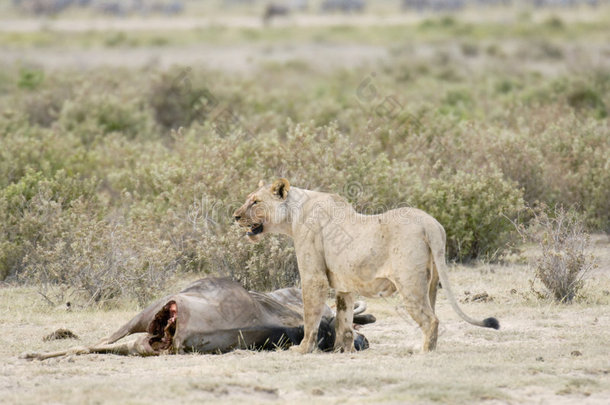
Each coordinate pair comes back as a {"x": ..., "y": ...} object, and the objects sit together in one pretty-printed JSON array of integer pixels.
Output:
[{"x": 255, "y": 230}]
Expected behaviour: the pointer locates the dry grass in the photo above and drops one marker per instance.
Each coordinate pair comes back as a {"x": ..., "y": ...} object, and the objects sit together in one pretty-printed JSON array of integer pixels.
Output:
[
  {"x": 563, "y": 263},
  {"x": 544, "y": 353}
]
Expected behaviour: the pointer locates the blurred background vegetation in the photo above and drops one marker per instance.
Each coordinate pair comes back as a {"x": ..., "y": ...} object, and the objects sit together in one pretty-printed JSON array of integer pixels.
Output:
[{"x": 127, "y": 138}]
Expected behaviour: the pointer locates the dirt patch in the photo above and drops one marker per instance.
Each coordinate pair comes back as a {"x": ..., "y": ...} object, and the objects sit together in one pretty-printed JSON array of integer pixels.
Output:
[
  {"x": 232, "y": 58},
  {"x": 238, "y": 390}
]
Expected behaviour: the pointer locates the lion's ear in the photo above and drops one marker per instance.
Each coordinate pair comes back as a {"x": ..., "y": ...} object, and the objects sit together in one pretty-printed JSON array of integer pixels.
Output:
[
  {"x": 261, "y": 183},
  {"x": 280, "y": 188}
]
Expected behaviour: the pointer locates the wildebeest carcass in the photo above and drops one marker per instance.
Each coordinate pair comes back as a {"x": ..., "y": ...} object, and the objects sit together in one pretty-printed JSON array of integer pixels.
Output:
[{"x": 217, "y": 315}]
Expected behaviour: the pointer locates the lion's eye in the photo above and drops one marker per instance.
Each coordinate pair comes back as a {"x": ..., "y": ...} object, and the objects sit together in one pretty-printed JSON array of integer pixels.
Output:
[{"x": 255, "y": 202}]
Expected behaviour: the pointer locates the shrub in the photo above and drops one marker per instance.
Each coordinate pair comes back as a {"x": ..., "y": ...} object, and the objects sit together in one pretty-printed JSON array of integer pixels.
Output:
[
  {"x": 30, "y": 79},
  {"x": 31, "y": 214},
  {"x": 43, "y": 108},
  {"x": 177, "y": 100},
  {"x": 458, "y": 102},
  {"x": 365, "y": 179},
  {"x": 555, "y": 22},
  {"x": 469, "y": 49},
  {"x": 264, "y": 266},
  {"x": 585, "y": 98},
  {"x": 92, "y": 114},
  {"x": 563, "y": 262},
  {"x": 43, "y": 105},
  {"x": 474, "y": 209},
  {"x": 95, "y": 262},
  {"x": 520, "y": 162},
  {"x": 579, "y": 150}
]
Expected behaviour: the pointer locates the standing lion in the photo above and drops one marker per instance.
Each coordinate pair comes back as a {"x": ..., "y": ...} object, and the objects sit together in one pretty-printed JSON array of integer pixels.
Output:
[{"x": 402, "y": 250}]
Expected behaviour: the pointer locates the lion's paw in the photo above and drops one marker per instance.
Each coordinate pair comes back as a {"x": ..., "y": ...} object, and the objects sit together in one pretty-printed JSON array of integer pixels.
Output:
[{"x": 301, "y": 349}]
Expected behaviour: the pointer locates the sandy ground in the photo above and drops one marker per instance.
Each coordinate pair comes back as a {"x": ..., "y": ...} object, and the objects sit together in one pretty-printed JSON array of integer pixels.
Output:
[
  {"x": 233, "y": 58},
  {"x": 186, "y": 23},
  {"x": 543, "y": 354},
  {"x": 254, "y": 21},
  {"x": 241, "y": 57}
]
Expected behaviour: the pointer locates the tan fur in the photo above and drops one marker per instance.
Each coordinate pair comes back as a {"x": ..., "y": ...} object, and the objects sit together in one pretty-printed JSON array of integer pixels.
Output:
[{"x": 402, "y": 250}]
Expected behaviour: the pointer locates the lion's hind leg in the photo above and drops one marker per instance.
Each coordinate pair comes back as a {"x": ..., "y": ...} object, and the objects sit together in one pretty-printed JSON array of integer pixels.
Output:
[{"x": 413, "y": 286}]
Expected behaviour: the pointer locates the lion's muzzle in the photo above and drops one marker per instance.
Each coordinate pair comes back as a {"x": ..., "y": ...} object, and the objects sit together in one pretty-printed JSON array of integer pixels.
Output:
[{"x": 255, "y": 230}]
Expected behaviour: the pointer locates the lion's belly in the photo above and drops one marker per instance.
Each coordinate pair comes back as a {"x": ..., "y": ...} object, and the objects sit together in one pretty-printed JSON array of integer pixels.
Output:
[
  {"x": 365, "y": 271},
  {"x": 380, "y": 287},
  {"x": 376, "y": 287}
]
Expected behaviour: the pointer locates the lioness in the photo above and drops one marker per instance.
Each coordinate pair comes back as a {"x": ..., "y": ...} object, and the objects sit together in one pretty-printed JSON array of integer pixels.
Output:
[{"x": 374, "y": 255}]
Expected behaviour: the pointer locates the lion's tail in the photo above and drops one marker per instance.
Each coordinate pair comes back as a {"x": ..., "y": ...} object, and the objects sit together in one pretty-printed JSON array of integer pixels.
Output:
[{"x": 436, "y": 243}]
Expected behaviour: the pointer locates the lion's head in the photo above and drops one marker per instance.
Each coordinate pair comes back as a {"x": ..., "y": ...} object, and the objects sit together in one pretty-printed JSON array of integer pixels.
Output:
[{"x": 264, "y": 210}]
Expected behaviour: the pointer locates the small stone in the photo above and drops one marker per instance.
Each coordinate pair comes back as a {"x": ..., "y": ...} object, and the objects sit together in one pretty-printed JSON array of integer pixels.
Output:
[
  {"x": 60, "y": 334},
  {"x": 317, "y": 392}
]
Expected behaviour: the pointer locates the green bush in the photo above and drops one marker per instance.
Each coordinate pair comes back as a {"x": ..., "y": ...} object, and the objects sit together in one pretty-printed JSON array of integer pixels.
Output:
[
  {"x": 92, "y": 115},
  {"x": 27, "y": 148},
  {"x": 31, "y": 214},
  {"x": 30, "y": 79},
  {"x": 177, "y": 99},
  {"x": 578, "y": 150},
  {"x": 43, "y": 105},
  {"x": 588, "y": 99},
  {"x": 475, "y": 209}
]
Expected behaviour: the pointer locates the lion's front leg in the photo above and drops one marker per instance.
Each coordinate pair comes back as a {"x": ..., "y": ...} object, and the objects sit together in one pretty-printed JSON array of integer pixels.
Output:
[
  {"x": 315, "y": 290},
  {"x": 345, "y": 317}
]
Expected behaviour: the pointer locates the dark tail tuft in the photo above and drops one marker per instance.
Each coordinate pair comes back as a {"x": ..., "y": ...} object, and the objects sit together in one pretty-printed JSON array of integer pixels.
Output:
[{"x": 491, "y": 323}]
